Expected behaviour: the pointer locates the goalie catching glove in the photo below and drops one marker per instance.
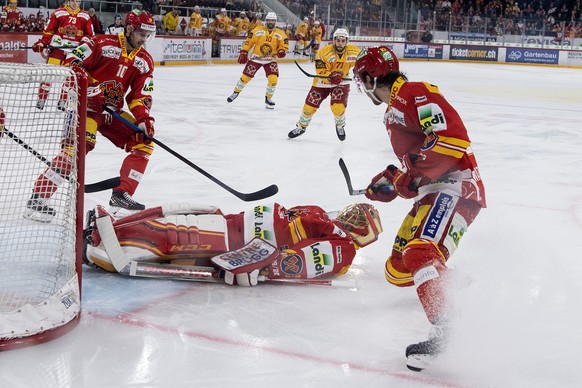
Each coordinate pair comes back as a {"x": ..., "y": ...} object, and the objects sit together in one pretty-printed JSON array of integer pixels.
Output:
[{"x": 242, "y": 266}]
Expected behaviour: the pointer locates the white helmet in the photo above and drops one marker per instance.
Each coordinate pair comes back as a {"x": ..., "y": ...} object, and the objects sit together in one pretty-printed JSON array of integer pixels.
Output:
[
  {"x": 342, "y": 33},
  {"x": 271, "y": 16},
  {"x": 223, "y": 10},
  {"x": 317, "y": 22}
]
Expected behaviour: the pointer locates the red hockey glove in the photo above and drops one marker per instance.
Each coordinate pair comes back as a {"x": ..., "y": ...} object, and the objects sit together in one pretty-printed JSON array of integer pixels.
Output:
[
  {"x": 380, "y": 188},
  {"x": 147, "y": 126},
  {"x": 403, "y": 182},
  {"x": 38, "y": 47},
  {"x": 281, "y": 53},
  {"x": 243, "y": 57},
  {"x": 335, "y": 78}
]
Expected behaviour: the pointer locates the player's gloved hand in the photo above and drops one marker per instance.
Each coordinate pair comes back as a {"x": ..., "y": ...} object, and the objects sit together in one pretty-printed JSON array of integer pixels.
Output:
[
  {"x": 243, "y": 57},
  {"x": 38, "y": 47},
  {"x": 381, "y": 188},
  {"x": 402, "y": 181},
  {"x": 147, "y": 126},
  {"x": 247, "y": 279},
  {"x": 335, "y": 78},
  {"x": 281, "y": 53}
]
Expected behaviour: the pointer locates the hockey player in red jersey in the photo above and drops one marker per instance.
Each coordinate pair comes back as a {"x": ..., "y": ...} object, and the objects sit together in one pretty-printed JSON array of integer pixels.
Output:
[
  {"x": 68, "y": 25},
  {"x": 438, "y": 171},
  {"x": 309, "y": 243},
  {"x": 118, "y": 66}
]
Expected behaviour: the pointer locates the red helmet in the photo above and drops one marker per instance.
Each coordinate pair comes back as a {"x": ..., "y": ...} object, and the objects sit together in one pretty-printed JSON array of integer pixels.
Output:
[
  {"x": 376, "y": 62},
  {"x": 141, "y": 20}
]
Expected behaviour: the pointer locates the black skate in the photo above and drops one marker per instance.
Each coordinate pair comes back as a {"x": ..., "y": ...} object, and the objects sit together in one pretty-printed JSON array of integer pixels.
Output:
[
  {"x": 419, "y": 356},
  {"x": 232, "y": 97},
  {"x": 269, "y": 104},
  {"x": 298, "y": 131},
  {"x": 38, "y": 210},
  {"x": 121, "y": 204},
  {"x": 341, "y": 132}
]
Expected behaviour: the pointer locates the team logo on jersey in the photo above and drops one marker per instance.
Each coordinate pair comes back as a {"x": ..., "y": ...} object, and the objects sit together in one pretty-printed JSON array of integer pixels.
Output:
[
  {"x": 429, "y": 142},
  {"x": 292, "y": 213},
  {"x": 112, "y": 91},
  {"x": 432, "y": 118},
  {"x": 314, "y": 98},
  {"x": 69, "y": 31},
  {"x": 265, "y": 50},
  {"x": 337, "y": 94},
  {"x": 291, "y": 264}
]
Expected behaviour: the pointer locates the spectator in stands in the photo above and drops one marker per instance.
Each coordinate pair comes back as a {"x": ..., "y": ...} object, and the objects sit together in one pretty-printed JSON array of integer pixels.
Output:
[
  {"x": 97, "y": 25},
  {"x": 195, "y": 24},
  {"x": 171, "y": 21},
  {"x": 12, "y": 14},
  {"x": 117, "y": 27}
]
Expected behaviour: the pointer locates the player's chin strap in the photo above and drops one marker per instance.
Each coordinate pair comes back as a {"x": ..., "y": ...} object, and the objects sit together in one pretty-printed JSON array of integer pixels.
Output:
[{"x": 111, "y": 243}]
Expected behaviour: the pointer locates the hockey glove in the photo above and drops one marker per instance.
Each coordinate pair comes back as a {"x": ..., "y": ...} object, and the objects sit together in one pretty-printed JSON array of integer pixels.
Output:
[
  {"x": 335, "y": 78},
  {"x": 380, "y": 188},
  {"x": 402, "y": 181},
  {"x": 38, "y": 47},
  {"x": 281, "y": 53},
  {"x": 243, "y": 57},
  {"x": 147, "y": 126}
]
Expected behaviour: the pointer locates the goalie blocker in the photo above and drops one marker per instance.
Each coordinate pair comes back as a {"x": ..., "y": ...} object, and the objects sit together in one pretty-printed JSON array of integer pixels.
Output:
[{"x": 268, "y": 241}]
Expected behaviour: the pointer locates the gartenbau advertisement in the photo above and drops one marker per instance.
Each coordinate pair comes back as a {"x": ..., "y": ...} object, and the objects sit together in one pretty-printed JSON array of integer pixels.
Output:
[
  {"x": 523, "y": 55},
  {"x": 474, "y": 53}
]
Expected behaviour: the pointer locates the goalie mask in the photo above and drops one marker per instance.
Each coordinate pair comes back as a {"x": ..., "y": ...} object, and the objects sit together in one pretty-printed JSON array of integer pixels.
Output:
[{"x": 362, "y": 222}]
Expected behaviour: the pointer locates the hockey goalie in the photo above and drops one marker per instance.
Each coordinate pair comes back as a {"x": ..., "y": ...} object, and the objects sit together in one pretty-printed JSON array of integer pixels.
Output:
[{"x": 191, "y": 242}]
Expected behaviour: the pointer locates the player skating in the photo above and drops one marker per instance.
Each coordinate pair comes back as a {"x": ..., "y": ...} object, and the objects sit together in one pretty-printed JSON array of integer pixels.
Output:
[
  {"x": 332, "y": 62},
  {"x": 438, "y": 171},
  {"x": 309, "y": 243},
  {"x": 119, "y": 67},
  {"x": 68, "y": 26},
  {"x": 261, "y": 48}
]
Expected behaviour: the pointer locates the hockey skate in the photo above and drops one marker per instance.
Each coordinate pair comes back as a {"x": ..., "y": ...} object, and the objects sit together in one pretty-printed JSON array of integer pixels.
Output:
[
  {"x": 419, "y": 356},
  {"x": 122, "y": 204},
  {"x": 40, "y": 104},
  {"x": 38, "y": 210},
  {"x": 298, "y": 131},
  {"x": 232, "y": 97},
  {"x": 341, "y": 132},
  {"x": 61, "y": 105},
  {"x": 269, "y": 104}
]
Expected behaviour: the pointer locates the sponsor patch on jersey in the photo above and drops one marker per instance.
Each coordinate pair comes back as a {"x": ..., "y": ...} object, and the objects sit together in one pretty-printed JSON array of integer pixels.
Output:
[
  {"x": 111, "y": 52},
  {"x": 142, "y": 65},
  {"x": 291, "y": 264},
  {"x": 394, "y": 116},
  {"x": 432, "y": 118},
  {"x": 419, "y": 100},
  {"x": 438, "y": 215},
  {"x": 351, "y": 58},
  {"x": 148, "y": 86},
  {"x": 318, "y": 258},
  {"x": 259, "y": 33},
  {"x": 259, "y": 223},
  {"x": 82, "y": 52}
]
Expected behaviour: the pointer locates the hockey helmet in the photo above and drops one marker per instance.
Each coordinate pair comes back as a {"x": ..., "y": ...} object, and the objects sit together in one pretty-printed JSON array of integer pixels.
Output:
[
  {"x": 317, "y": 23},
  {"x": 117, "y": 17},
  {"x": 362, "y": 222},
  {"x": 376, "y": 62},
  {"x": 197, "y": 9},
  {"x": 13, "y": 2},
  {"x": 341, "y": 33},
  {"x": 223, "y": 10},
  {"x": 271, "y": 16},
  {"x": 143, "y": 20}
]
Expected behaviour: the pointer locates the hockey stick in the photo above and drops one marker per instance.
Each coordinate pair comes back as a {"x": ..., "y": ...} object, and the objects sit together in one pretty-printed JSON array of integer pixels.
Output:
[
  {"x": 90, "y": 188},
  {"x": 255, "y": 196},
  {"x": 351, "y": 190},
  {"x": 211, "y": 275},
  {"x": 317, "y": 76}
]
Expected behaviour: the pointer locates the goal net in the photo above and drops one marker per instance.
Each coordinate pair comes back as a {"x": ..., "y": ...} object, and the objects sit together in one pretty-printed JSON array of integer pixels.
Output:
[{"x": 40, "y": 262}]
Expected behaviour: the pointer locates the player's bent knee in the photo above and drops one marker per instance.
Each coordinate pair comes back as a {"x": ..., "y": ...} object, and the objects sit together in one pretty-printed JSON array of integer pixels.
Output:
[
  {"x": 419, "y": 253},
  {"x": 396, "y": 273},
  {"x": 272, "y": 79},
  {"x": 338, "y": 109}
]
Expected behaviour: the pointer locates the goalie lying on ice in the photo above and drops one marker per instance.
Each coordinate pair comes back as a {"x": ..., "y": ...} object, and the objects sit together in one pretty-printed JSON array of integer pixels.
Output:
[{"x": 306, "y": 243}]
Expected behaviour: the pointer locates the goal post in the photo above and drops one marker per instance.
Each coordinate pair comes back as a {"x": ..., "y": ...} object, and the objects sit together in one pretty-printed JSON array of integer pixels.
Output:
[{"x": 40, "y": 262}]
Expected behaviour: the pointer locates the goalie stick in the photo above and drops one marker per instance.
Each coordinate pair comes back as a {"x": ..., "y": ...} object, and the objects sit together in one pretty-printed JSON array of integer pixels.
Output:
[
  {"x": 351, "y": 190},
  {"x": 317, "y": 76},
  {"x": 247, "y": 197},
  {"x": 90, "y": 188}
]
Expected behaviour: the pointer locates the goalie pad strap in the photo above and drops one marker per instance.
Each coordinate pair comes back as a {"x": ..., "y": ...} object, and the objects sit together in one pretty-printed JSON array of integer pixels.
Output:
[{"x": 111, "y": 243}]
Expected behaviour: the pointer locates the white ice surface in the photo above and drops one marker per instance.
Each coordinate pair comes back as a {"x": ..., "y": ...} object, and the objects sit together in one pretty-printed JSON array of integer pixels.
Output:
[{"x": 520, "y": 323}]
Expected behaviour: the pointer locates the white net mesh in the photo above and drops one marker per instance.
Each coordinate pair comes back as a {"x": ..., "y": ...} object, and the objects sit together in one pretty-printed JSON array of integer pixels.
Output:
[{"x": 38, "y": 280}]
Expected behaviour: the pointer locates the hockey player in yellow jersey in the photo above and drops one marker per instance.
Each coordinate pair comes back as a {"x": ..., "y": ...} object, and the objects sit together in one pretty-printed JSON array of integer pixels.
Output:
[
  {"x": 262, "y": 47},
  {"x": 302, "y": 36},
  {"x": 241, "y": 24},
  {"x": 332, "y": 64},
  {"x": 315, "y": 34}
]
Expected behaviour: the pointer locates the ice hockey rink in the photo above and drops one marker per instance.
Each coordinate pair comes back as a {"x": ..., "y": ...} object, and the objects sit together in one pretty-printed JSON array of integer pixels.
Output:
[{"x": 520, "y": 264}]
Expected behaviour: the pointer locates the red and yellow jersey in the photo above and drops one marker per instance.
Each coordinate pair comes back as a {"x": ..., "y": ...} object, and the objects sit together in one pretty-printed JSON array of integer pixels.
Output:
[
  {"x": 222, "y": 24},
  {"x": 311, "y": 244},
  {"x": 302, "y": 31},
  {"x": 241, "y": 26},
  {"x": 328, "y": 61},
  {"x": 423, "y": 126},
  {"x": 255, "y": 23},
  {"x": 66, "y": 27},
  {"x": 265, "y": 44},
  {"x": 117, "y": 72},
  {"x": 12, "y": 13}
]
